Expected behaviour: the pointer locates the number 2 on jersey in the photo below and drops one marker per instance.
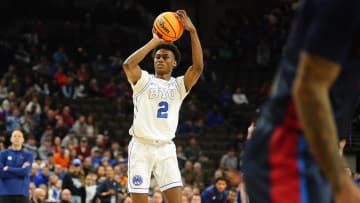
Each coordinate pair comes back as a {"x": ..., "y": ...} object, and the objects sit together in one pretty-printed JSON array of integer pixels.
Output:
[{"x": 163, "y": 110}]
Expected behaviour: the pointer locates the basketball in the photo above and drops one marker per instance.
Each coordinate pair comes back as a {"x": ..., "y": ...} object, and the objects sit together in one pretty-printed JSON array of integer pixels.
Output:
[{"x": 168, "y": 27}]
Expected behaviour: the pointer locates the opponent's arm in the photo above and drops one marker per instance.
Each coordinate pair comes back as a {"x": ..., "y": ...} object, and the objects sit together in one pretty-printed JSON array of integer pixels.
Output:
[
  {"x": 131, "y": 64},
  {"x": 311, "y": 96},
  {"x": 193, "y": 73}
]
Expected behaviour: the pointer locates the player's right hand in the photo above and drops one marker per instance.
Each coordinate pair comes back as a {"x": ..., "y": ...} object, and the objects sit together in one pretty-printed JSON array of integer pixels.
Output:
[
  {"x": 156, "y": 37},
  {"x": 350, "y": 193}
]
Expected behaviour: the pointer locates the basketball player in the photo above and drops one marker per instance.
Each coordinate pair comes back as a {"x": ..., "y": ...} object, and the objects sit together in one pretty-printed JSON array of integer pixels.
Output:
[
  {"x": 293, "y": 155},
  {"x": 157, "y": 99},
  {"x": 15, "y": 167}
]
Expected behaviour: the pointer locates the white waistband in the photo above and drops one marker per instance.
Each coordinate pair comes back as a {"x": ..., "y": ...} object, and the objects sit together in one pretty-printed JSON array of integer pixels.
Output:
[{"x": 152, "y": 142}]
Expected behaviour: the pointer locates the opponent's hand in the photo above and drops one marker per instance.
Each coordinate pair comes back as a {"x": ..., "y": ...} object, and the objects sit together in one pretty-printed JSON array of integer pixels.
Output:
[
  {"x": 188, "y": 25},
  {"x": 250, "y": 130}
]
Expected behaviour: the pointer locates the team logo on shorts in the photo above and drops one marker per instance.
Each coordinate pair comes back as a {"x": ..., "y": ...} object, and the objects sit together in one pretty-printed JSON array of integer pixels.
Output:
[{"x": 137, "y": 180}]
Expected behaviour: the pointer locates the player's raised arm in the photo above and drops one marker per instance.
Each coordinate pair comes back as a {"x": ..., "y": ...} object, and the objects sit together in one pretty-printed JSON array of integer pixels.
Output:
[
  {"x": 194, "y": 71},
  {"x": 131, "y": 64}
]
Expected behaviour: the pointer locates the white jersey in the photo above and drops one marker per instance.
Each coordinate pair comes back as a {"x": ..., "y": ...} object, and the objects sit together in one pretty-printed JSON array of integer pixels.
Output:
[{"x": 157, "y": 104}]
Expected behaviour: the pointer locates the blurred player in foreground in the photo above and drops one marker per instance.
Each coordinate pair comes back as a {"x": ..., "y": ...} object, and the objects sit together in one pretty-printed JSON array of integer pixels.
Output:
[{"x": 293, "y": 155}]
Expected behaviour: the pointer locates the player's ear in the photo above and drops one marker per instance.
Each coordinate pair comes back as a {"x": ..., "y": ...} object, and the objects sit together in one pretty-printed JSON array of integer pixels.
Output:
[{"x": 174, "y": 64}]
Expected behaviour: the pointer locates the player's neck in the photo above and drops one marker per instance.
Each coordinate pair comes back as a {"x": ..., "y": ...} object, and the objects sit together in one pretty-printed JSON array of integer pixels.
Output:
[{"x": 163, "y": 76}]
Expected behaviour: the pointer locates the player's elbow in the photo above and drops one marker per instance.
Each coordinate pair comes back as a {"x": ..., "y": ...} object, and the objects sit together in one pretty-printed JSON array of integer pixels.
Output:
[
  {"x": 126, "y": 65},
  {"x": 199, "y": 67}
]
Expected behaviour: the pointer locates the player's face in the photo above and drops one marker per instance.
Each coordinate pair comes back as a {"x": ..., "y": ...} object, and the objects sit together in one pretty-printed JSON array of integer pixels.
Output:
[{"x": 164, "y": 61}]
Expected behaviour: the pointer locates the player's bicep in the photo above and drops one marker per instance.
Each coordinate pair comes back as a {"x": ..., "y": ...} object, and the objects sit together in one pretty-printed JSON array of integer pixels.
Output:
[
  {"x": 191, "y": 76},
  {"x": 331, "y": 31},
  {"x": 133, "y": 73}
]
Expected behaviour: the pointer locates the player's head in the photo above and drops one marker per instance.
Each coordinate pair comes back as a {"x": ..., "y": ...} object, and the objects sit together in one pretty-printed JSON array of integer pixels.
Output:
[{"x": 166, "y": 57}]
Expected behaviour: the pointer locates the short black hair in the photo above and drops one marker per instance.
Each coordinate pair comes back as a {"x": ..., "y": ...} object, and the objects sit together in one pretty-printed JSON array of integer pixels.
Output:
[{"x": 169, "y": 46}]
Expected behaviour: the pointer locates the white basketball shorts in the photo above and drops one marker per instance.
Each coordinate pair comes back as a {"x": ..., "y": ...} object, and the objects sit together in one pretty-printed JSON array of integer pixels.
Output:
[{"x": 152, "y": 157}]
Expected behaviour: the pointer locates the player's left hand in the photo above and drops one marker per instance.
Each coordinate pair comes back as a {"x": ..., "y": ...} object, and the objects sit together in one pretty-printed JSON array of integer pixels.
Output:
[
  {"x": 5, "y": 168},
  {"x": 188, "y": 25}
]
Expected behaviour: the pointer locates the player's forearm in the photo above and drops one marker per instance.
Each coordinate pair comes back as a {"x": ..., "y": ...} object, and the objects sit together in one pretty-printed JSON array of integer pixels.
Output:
[
  {"x": 135, "y": 58},
  {"x": 197, "y": 53},
  {"x": 314, "y": 110}
]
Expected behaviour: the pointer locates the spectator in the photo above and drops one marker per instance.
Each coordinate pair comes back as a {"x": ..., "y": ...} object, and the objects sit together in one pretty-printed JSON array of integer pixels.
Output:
[
  {"x": 74, "y": 180},
  {"x": 45, "y": 149},
  {"x": 14, "y": 121},
  {"x": 3, "y": 89},
  {"x": 66, "y": 196},
  {"x": 90, "y": 188},
  {"x": 83, "y": 149},
  {"x": 39, "y": 196},
  {"x": 239, "y": 97},
  {"x": 229, "y": 160},
  {"x": 60, "y": 56},
  {"x": 62, "y": 158},
  {"x": 107, "y": 189},
  {"x": 215, "y": 193},
  {"x": 70, "y": 138},
  {"x": 42, "y": 176},
  {"x": 193, "y": 151},
  {"x": 80, "y": 126},
  {"x": 54, "y": 191},
  {"x": 187, "y": 173}
]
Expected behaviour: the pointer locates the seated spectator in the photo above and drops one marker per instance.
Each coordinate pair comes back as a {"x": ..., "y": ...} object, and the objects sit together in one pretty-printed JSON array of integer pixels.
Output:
[
  {"x": 107, "y": 190},
  {"x": 215, "y": 117},
  {"x": 239, "y": 97},
  {"x": 14, "y": 121},
  {"x": 215, "y": 193},
  {"x": 83, "y": 149},
  {"x": 39, "y": 196},
  {"x": 66, "y": 196},
  {"x": 82, "y": 73},
  {"x": 68, "y": 89},
  {"x": 34, "y": 103},
  {"x": 74, "y": 180},
  {"x": 94, "y": 89},
  {"x": 60, "y": 56},
  {"x": 90, "y": 189},
  {"x": 193, "y": 150},
  {"x": 42, "y": 176},
  {"x": 3, "y": 89},
  {"x": 80, "y": 126},
  {"x": 70, "y": 138},
  {"x": 54, "y": 191},
  {"x": 110, "y": 89},
  {"x": 229, "y": 160},
  {"x": 67, "y": 117},
  {"x": 46, "y": 148},
  {"x": 62, "y": 158}
]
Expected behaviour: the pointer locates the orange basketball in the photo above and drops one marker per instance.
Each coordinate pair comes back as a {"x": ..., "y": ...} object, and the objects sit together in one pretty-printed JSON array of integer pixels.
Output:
[{"x": 168, "y": 27}]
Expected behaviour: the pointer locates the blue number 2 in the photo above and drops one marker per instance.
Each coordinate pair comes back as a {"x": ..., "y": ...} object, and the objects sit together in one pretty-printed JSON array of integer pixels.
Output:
[{"x": 162, "y": 111}]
